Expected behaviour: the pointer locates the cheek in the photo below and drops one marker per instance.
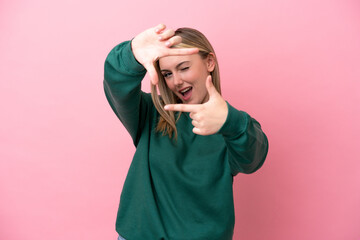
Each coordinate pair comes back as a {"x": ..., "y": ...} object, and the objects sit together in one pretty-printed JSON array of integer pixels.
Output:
[
  {"x": 199, "y": 80},
  {"x": 199, "y": 74},
  {"x": 191, "y": 77},
  {"x": 170, "y": 85}
]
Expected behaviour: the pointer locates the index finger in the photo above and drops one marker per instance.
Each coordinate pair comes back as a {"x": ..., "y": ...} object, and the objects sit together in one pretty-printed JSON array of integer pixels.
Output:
[
  {"x": 182, "y": 51},
  {"x": 182, "y": 107}
]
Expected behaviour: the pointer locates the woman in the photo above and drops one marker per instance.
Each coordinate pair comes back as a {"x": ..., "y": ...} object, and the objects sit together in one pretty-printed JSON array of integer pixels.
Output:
[{"x": 190, "y": 142}]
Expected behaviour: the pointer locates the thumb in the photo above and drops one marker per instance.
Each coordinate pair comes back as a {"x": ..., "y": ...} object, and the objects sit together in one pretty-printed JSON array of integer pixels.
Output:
[
  {"x": 152, "y": 74},
  {"x": 210, "y": 87}
]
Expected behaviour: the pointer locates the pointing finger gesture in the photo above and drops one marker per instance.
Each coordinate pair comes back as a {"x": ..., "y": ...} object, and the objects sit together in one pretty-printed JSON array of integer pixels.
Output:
[{"x": 209, "y": 117}]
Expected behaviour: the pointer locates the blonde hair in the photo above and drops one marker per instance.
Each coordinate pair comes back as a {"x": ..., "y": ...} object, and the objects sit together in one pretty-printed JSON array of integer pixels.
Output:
[{"x": 191, "y": 38}]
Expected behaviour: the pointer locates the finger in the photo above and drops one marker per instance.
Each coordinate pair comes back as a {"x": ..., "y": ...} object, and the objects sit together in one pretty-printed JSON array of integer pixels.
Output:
[
  {"x": 195, "y": 123},
  {"x": 197, "y": 131},
  {"x": 160, "y": 27},
  {"x": 167, "y": 34},
  {"x": 210, "y": 87},
  {"x": 192, "y": 115},
  {"x": 201, "y": 131},
  {"x": 173, "y": 41},
  {"x": 152, "y": 74},
  {"x": 183, "y": 107},
  {"x": 182, "y": 51}
]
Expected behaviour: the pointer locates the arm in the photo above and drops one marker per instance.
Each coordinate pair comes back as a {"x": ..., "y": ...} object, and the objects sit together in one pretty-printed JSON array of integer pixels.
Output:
[
  {"x": 125, "y": 67},
  {"x": 247, "y": 144},
  {"x": 122, "y": 85}
]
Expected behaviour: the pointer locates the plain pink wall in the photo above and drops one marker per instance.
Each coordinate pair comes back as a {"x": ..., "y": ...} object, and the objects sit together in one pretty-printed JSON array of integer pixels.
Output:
[{"x": 293, "y": 65}]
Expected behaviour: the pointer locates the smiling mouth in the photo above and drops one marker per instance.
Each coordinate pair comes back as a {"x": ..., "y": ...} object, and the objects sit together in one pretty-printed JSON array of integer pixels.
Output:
[{"x": 184, "y": 91}]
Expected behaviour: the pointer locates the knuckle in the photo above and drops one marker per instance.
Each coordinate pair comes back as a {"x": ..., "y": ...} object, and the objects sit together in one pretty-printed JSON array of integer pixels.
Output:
[
  {"x": 176, "y": 39},
  {"x": 171, "y": 32}
]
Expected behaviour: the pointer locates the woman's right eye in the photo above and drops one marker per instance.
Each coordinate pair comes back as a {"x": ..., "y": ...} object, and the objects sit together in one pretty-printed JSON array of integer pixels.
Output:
[{"x": 166, "y": 75}]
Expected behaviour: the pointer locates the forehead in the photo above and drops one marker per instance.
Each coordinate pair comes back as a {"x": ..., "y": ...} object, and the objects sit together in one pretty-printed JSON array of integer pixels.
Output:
[{"x": 170, "y": 62}]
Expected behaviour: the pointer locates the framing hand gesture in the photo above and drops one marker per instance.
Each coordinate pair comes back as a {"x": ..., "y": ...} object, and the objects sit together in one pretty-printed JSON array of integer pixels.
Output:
[
  {"x": 155, "y": 43},
  {"x": 209, "y": 117}
]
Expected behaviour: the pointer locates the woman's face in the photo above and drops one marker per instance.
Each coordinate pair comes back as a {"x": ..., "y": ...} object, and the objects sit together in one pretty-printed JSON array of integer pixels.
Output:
[{"x": 186, "y": 76}]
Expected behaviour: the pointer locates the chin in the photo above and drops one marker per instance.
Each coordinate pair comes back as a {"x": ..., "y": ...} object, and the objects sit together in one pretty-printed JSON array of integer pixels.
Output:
[{"x": 192, "y": 101}]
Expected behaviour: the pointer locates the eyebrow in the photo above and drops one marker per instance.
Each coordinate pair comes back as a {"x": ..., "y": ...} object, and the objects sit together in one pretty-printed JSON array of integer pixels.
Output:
[{"x": 177, "y": 66}]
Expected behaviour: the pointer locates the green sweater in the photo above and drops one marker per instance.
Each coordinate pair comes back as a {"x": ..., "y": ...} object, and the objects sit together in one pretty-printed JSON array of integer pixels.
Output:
[{"x": 177, "y": 190}]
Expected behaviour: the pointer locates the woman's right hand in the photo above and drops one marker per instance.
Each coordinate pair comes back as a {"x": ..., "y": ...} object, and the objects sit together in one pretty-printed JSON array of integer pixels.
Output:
[{"x": 155, "y": 43}]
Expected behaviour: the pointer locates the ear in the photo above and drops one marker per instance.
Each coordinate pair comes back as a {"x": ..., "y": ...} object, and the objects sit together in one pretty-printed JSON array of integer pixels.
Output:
[{"x": 210, "y": 62}]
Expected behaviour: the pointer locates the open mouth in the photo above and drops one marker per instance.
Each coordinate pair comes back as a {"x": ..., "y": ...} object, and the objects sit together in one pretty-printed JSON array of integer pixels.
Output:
[
  {"x": 185, "y": 90},
  {"x": 186, "y": 93}
]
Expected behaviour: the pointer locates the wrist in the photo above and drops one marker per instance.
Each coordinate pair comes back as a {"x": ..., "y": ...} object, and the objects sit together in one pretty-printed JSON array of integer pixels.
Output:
[{"x": 133, "y": 45}]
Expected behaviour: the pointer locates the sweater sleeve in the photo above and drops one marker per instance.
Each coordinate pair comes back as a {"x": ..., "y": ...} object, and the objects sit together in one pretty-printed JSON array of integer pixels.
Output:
[
  {"x": 122, "y": 86},
  {"x": 247, "y": 144}
]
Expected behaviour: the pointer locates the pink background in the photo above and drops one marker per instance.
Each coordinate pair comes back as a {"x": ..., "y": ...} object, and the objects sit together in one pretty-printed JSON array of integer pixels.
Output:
[{"x": 293, "y": 65}]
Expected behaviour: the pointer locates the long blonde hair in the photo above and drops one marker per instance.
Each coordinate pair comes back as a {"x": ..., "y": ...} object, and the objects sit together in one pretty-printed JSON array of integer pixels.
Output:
[{"x": 191, "y": 38}]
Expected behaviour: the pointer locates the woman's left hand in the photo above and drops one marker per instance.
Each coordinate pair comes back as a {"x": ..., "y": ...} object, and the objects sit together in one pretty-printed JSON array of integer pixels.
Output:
[{"x": 209, "y": 117}]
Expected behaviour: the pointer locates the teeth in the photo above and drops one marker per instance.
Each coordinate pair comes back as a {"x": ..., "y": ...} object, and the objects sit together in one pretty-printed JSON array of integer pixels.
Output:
[{"x": 185, "y": 90}]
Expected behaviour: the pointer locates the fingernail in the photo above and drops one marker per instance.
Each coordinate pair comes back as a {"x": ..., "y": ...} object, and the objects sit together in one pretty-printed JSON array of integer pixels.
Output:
[
  {"x": 166, "y": 107},
  {"x": 167, "y": 43},
  {"x": 160, "y": 37}
]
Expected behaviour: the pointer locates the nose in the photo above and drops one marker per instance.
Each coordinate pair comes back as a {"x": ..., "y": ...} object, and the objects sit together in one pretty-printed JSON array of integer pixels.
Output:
[{"x": 178, "y": 80}]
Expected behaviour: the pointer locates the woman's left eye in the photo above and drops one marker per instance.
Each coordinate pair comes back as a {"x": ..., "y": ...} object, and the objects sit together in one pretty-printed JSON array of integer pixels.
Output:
[{"x": 185, "y": 68}]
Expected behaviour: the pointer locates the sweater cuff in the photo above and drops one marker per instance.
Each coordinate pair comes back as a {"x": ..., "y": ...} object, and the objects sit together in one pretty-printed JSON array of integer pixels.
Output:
[
  {"x": 235, "y": 124},
  {"x": 129, "y": 59}
]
